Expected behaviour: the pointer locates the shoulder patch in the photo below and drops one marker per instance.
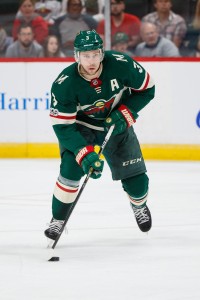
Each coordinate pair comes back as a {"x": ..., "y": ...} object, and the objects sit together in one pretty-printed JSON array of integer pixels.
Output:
[
  {"x": 61, "y": 79},
  {"x": 120, "y": 57}
]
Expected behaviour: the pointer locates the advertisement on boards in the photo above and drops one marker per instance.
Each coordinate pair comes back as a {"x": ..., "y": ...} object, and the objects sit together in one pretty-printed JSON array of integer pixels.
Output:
[{"x": 173, "y": 117}]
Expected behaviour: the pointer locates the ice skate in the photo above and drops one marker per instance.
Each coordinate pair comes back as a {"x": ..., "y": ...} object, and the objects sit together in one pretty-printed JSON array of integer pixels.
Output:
[
  {"x": 54, "y": 229},
  {"x": 143, "y": 218}
]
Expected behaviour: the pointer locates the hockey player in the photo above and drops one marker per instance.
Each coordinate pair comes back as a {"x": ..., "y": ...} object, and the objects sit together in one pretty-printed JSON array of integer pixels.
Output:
[{"x": 100, "y": 89}]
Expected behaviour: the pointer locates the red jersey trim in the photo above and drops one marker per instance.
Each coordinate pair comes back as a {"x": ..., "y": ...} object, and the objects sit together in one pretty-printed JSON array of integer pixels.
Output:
[
  {"x": 62, "y": 117},
  {"x": 146, "y": 83}
]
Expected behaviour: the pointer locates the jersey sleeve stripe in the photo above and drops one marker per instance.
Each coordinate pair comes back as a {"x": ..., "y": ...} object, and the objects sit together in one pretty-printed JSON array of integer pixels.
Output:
[
  {"x": 147, "y": 83},
  {"x": 62, "y": 122},
  {"x": 63, "y": 117}
]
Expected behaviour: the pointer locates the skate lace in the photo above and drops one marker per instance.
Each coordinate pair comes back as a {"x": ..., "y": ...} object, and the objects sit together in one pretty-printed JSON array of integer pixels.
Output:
[
  {"x": 141, "y": 215},
  {"x": 55, "y": 225}
]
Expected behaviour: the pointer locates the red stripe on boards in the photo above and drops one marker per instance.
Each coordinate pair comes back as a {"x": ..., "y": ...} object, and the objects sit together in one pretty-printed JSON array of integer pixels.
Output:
[{"x": 71, "y": 59}]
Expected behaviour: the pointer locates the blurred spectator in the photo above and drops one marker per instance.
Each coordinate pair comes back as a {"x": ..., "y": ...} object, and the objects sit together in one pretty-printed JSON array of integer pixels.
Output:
[
  {"x": 64, "y": 6},
  {"x": 153, "y": 44},
  {"x": 67, "y": 26},
  {"x": 5, "y": 41},
  {"x": 28, "y": 16},
  {"x": 48, "y": 9},
  {"x": 171, "y": 25},
  {"x": 122, "y": 22},
  {"x": 120, "y": 43},
  {"x": 52, "y": 47},
  {"x": 100, "y": 4},
  {"x": 191, "y": 43},
  {"x": 93, "y": 8},
  {"x": 25, "y": 46}
]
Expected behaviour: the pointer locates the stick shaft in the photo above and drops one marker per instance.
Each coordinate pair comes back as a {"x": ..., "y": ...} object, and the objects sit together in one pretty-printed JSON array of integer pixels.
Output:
[{"x": 107, "y": 137}]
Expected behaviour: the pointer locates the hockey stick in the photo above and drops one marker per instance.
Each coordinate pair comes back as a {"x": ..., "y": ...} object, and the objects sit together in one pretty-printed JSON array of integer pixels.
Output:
[{"x": 107, "y": 137}]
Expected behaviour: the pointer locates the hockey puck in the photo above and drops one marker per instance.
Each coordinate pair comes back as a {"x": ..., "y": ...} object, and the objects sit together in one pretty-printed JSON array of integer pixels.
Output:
[{"x": 54, "y": 258}]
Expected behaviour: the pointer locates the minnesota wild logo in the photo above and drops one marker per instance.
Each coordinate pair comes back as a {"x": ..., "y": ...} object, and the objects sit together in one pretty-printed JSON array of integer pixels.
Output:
[{"x": 99, "y": 109}]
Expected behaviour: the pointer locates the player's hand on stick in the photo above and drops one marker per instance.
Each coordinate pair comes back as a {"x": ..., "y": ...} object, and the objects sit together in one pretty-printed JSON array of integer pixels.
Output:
[
  {"x": 121, "y": 118},
  {"x": 87, "y": 158}
]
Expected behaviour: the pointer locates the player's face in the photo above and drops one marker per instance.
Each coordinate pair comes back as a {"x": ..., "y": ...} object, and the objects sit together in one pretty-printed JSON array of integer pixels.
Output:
[{"x": 90, "y": 61}]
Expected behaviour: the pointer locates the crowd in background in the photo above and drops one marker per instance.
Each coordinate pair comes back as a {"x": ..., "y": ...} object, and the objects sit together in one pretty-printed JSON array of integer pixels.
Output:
[{"x": 47, "y": 29}]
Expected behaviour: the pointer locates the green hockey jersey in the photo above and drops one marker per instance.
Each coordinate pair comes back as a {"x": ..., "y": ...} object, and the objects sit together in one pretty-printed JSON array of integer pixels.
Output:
[{"x": 75, "y": 100}]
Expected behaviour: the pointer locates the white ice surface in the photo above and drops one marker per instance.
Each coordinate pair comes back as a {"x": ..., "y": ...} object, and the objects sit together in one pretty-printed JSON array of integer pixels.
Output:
[{"x": 104, "y": 256}]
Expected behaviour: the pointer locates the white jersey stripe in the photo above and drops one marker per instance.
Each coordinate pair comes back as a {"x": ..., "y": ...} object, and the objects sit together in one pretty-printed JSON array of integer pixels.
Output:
[{"x": 57, "y": 121}]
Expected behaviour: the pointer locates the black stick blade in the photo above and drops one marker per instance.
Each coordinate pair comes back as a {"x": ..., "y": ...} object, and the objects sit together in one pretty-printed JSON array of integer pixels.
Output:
[{"x": 54, "y": 258}]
